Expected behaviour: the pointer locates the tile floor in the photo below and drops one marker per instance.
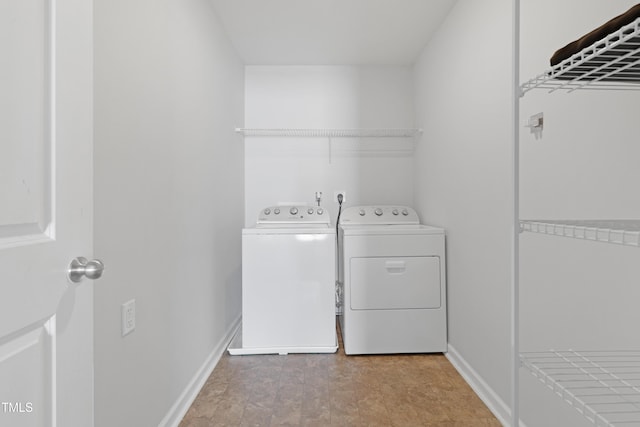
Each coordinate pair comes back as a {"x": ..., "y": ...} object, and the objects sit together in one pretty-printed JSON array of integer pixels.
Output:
[{"x": 337, "y": 390}]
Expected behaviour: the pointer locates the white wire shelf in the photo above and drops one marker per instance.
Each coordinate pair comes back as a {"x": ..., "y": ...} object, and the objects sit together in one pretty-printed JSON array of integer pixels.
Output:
[
  {"x": 611, "y": 63},
  {"x": 604, "y": 386},
  {"x": 621, "y": 232},
  {"x": 332, "y": 133}
]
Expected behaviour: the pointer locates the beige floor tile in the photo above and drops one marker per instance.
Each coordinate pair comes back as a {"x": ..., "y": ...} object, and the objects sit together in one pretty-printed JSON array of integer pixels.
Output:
[{"x": 337, "y": 390}]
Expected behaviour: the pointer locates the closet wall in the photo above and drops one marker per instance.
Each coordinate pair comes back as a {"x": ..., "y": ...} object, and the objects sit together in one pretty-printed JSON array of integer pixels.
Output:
[
  {"x": 292, "y": 169},
  {"x": 168, "y": 202},
  {"x": 463, "y": 182},
  {"x": 575, "y": 294}
]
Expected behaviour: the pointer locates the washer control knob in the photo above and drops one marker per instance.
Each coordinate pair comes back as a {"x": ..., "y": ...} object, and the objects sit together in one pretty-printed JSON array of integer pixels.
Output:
[
  {"x": 362, "y": 212},
  {"x": 378, "y": 212},
  {"x": 395, "y": 212},
  {"x": 310, "y": 211},
  {"x": 267, "y": 211},
  {"x": 405, "y": 212},
  {"x": 293, "y": 210},
  {"x": 276, "y": 211},
  {"x": 320, "y": 211}
]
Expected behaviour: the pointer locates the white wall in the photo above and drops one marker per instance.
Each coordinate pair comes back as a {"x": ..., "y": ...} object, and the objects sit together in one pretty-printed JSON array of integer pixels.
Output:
[
  {"x": 168, "y": 201},
  {"x": 463, "y": 176},
  {"x": 287, "y": 169}
]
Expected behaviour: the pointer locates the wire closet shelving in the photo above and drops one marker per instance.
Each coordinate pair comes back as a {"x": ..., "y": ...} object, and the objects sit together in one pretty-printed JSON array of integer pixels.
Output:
[
  {"x": 604, "y": 386},
  {"x": 617, "y": 231},
  {"x": 611, "y": 63},
  {"x": 331, "y": 133}
]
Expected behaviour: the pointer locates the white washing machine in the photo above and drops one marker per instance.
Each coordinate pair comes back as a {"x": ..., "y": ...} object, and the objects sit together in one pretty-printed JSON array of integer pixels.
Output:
[
  {"x": 392, "y": 278},
  {"x": 288, "y": 283}
]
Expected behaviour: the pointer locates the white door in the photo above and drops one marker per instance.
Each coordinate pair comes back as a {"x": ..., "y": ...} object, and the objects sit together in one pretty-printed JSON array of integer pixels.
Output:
[{"x": 46, "y": 321}]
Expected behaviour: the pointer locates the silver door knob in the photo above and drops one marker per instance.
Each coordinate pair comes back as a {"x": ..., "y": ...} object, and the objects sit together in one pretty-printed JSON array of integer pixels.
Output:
[{"x": 81, "y": 267}]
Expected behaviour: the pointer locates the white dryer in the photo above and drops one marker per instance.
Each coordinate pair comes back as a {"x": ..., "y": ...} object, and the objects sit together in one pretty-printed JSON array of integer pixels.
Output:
[
  {"x": 288, "y": 283},
  {"x": 392, "y": 277}
]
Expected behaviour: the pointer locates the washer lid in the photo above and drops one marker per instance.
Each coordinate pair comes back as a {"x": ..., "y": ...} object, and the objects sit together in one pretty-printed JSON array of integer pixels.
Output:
[
  {"x": 379, "y": 215},
  {"x": 299, "y": 231}
]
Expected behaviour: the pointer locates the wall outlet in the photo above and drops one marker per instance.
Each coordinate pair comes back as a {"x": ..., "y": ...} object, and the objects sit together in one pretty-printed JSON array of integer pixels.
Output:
[
  {"x": 344, "y": 196},
  {"x": 128, "y": 317}
]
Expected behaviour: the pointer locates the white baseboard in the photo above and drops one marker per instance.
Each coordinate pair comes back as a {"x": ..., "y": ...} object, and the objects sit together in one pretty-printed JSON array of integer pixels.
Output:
[
  {"x": 496, "y": 405},
  {"x": 182, "y": 405}
]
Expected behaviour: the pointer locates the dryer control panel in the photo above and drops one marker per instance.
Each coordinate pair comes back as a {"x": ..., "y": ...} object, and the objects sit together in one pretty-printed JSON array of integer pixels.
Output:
[
  {"x": 382, "y": 215},
  {"x": 292, "y": 215}
]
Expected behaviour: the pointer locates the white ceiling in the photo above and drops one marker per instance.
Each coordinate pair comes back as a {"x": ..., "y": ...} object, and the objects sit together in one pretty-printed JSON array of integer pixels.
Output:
[{"x": 330, "y": 32}]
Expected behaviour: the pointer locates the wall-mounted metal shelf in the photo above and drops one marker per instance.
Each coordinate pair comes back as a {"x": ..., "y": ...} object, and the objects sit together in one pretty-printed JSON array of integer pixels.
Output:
[
  {"x": 612, "y": 63},
  {"x": 604, "y": 386},
  {"x": 331, "y": 133},
  {"x": 622, "y": 232}
]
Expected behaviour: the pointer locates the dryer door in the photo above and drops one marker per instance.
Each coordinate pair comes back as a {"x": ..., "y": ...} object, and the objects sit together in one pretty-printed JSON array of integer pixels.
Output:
[{"x": 387, "y": 283}]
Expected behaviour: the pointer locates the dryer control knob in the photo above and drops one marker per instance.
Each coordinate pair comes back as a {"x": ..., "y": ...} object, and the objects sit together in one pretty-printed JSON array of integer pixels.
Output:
[
  {"x": 320, "y": 211},
  {"x": 293, "y": 210},
  {"x": 276, "y": 211},
  {"x": 267, "y": 211},
  {"x": 362, "y": 212},
  {"x": 405, "y": 212},
  {"x": 310, "y": 211},
  {"x": 378, "y": 212},
  {"x": 395, "y": 212}
]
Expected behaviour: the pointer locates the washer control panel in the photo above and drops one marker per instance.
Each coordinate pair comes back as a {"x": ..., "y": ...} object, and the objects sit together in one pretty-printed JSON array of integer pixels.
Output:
[
  {"x": 293, "y": 214},
  {"x": 382, "y": 215}
]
